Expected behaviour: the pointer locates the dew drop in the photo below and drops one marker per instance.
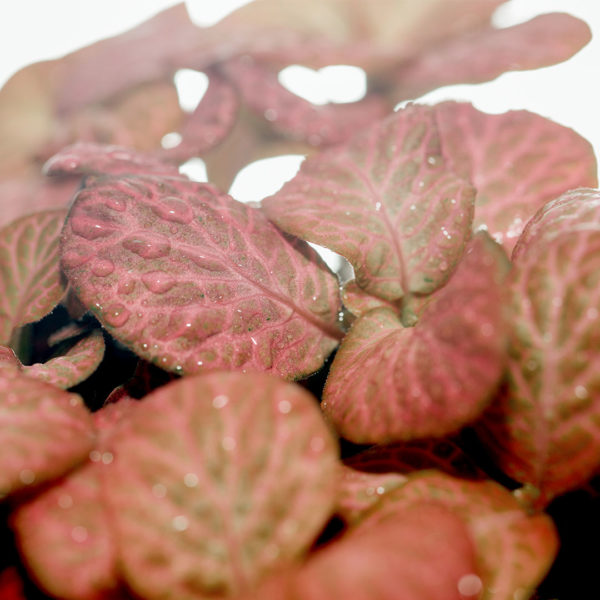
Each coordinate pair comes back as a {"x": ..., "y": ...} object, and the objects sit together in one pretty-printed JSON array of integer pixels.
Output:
[
  {"x": 284, "y": 407},
  {"x": 75, "y": 257},
  {"x": 102, "y": 267},
  {"x": 180, "y": 523},
  {"x": 116, "y": 315},
  {"x": 117, "y": 204},
  {"x": 431, "y": 160},
  {"x": 270, "y": 114},
  {"x": 90, "y": 229},
  {"x": 581, "y": 392},
  {"x": 79, "y": 534},
  {"x": 158, "y": 282},
  {"x": 147, "y": 245},
  {"x": 126, "y": 287},
  {"x": 380, "y": 490},
  {"x": 421, "y": 184},
  {"x": 65, "y": 501},
  {"x": 27, "y": 476},
  {"x": 95, "y": 456},
  {"x": 174, "y": 209},
  {"x": 370, "y": 491},
  {"x": 218, "y": 401},
  {"x": 413, "y": 207},
  {"x": 377, "y": 206},
  {"x": 228, "y": 444},
  {"x": 592, "y": 313},
  {"x": 190, "y": 480},
  {"x": 107, "y": 458},
  {"x": 470, "y": 585},
  {"x": 159, "y": 490},
  {"x": 443, "y": 266}
]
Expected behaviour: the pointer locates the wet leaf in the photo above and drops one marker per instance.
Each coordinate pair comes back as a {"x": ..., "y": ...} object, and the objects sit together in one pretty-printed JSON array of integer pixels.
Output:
[
  {"x": 387, "y": 202},
  {"x": 392, "y": 383},
  {"x": 30, "y": 283},
  {"x": 218, "y": 480},
  {"x": 518, "y": 161},
  {"x": 421, "y": 554},
  {"x": 359, "y": 302},
  {"x": 543, "y": 428},
  {"x": 192, "y": 280},
  {"x": 44, "y": 432},
  {"x": 513, "y": 549},
  {"x": 75, "y": 366},
  {"x": 575, "y": 210}
]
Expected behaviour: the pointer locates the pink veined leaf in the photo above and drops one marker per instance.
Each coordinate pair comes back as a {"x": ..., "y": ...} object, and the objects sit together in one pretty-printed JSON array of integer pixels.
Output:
[
  {"x": 8, "y": 359},
  {"x": 517, "y": 161},
  {"x": 575, "y": 210},
  {"x": 543, "y": 427},
  {"x": 483, "y": 54},
  {"x": 30, "y": 282},
  {"x": 393, "y": 383},
  {"x": 513, "y": 549},
  {"x": 73, "y": 367},
  {"x": 84, "y": 158},
  {"x": 387, "y": 202},
  {"x": 420, "y": 554},
  {"x": 64, "y": 533},
  {"x": 359, "y": 302},
  {"x": 216, "y": 481},
  {"x": 192, "y": 280},
  {"x": 44, "y": 432},
  {"x": 294, "y": 116}
]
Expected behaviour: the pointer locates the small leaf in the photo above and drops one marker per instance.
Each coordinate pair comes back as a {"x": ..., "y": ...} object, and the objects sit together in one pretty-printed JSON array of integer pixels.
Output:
[
  {"x": 44, "y": 432},
  {"x": 575, "y": 210},
  {"x": 387, "y": 202},
  {"x": 543, "y": 429},
  {"x": 359, "y": 302},
  {"x": 423, "y": 553},
  {"x": 391, "y": 383},
  {"x": 193, "y": 280},
  {"x": 217, "y": 480},
  {"x": 518, "y": 161},
  {"x": 84, "y": 158},
  {"x": 30, "y": 283},
  {"x": 513, "y": 550},
  {"x": 72, "y": 368}
]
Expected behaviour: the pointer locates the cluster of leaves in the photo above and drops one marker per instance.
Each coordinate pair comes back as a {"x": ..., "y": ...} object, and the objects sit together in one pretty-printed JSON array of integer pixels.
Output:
[{"x": 474, "y": 241}]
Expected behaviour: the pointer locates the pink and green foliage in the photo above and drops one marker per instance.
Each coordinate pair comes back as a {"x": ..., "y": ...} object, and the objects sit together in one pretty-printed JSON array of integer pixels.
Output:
[{"x": 183, "y": 464}]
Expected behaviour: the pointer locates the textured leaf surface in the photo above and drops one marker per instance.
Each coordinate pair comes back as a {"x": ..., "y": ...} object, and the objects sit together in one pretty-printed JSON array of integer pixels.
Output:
[
  {"x": 483, "y": 54},
  {"x": 391, "y": 383},
  {"x": 544, "y": 427},
  {"x": 576, "y": 210},
  {"x": 423, "y": 553},
  {"x": 191, "y": 279},
  {"x": 86, "y": 157},
  {"x": 387, "y": 202},
  {"x": 216, "y": 480},
  {"x": 72, "y": 368},
  {"x": 514, "y": 550},
  {"x": 518, "y": 161},
  {"x": 44, "y": 432},
  {"x": 30, "y": 284},
  {"x": 358, "y": 302},
  {"x": 298, "y": 118}
]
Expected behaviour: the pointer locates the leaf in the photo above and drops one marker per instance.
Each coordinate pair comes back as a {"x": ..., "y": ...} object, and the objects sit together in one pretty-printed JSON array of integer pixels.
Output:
[
  {"x": 295, "y": 117},
  {"x": 44, "y": 432},
  {"x": 575, "y": 210},
  {"x": 484, "y": 54},
  {"x": 359, "y": 302},
  {"x": 217, "y": 480},
  {"x": 11, "y": 584},
  {"x": 387, "y": 202},
  {"x": 513, "y": 549},
  {"x": 84, "y": 158},
  {"x": 518, "y": 161},
  {"x": 422, "y": 554},
  {"x": 394, "y": 383},
  {"x": 544, "y": 428},
  {"x": 192, "y": 280},
  {"x": 72, "y": 368},
  {"x": 30, "y": 284}
]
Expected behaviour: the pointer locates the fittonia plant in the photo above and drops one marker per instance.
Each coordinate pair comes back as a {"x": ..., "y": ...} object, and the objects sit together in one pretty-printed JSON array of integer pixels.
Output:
[{"x": 196, "y": 335}]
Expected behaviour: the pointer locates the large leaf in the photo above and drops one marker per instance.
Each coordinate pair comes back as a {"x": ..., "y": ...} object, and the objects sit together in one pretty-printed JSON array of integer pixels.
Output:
[
  {"x": 390, "y": 382},
  {"x": 485, "y": 53},
  {"x": 573, "y": 211},
  {"x": 217, "y": 480},
  {"x": 518, "y": 161},
  {"x": 30, "y": 283},
  {"x": 425, "y": 553},
  {"x": 514, "y": 550},
  {"x": 544, "y": 427},
  {"x": 387, "y": 202},
  {"x": 193, "y": 280},
  {"x": 44, "y": 431}
]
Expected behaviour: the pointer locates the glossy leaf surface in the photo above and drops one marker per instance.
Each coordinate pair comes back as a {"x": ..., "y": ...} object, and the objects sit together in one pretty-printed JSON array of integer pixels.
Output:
[
  {"x": 30, "y": 284},
  {"x": 544, "y": 427},
  {"x": 517, "y": 161},
  {"x": 391, "y": 383},
  {"x": 193, "y": 280},
  {"x": 513, "y": 549},
  {"x": 387, "y": 202},
  {"x": 216, "y": 481},
  {"x": 44, "y": 432},
  {"x": 421, "y": 554}
]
